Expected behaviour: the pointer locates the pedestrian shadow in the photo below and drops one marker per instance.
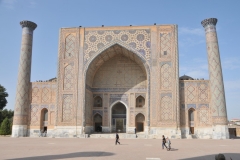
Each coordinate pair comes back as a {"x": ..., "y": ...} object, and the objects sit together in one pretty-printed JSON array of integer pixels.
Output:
[
  {"x": 66, "y": 156},
  {"x": 173, "y": 149}
]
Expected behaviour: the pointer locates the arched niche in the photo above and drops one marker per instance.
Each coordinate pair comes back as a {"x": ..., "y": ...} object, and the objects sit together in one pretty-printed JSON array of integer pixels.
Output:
[
  {"x": 118, "y": 117},
  {"x": 140, "y": 102},
  {"x": 44, "y": 119},
  {"x": 97, "y": 120},
  {"x": 139, "y": 122},
  {"x": 191, "y": 120},
  {"x": 97, "y": 101}
]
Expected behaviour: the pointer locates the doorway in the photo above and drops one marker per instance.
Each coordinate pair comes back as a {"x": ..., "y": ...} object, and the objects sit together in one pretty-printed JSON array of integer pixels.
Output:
[
  {"x": 191, "y": 121},
  {"x": 140, "y": 118},
  {"x": 119, "y": 118},
  {"x": 191, "y": 130},
  {"x": 97, "y": 123}
]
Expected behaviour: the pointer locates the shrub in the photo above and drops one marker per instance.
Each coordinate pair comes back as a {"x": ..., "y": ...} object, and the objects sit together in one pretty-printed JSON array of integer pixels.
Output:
[{"x": 5, "y": 128}]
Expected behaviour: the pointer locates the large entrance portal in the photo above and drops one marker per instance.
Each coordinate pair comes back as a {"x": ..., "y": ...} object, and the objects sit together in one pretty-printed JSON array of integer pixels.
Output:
[
  {"x": 111, "y": 77},
  {"x": 119, "y": 118}
]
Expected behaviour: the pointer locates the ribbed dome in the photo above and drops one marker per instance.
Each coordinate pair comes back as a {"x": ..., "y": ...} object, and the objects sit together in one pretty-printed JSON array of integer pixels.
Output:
[{"x": 185, "y": 77}]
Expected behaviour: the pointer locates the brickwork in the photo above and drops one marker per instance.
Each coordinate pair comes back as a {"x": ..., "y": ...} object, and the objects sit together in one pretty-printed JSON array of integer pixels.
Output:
[
  {"x": 137, "y": 66},
  {"x": 218, "y": 103}
]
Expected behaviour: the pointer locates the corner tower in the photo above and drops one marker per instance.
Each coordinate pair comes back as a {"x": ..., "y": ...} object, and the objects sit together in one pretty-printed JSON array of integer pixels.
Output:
[
  {"x": 217, "y": 102},
  {"x": 22, "y": 103}
]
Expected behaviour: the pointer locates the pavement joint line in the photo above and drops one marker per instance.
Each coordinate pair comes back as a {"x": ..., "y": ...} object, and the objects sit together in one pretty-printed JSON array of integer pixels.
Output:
[{"x": 153, "y": 159}]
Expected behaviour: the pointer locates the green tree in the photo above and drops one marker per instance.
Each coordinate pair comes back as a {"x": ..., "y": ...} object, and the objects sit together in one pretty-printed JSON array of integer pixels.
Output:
[
  {"x": 3, "y": 95},
  {"x": 5, "y": 127},
  {"x": 6, "y": 113}
]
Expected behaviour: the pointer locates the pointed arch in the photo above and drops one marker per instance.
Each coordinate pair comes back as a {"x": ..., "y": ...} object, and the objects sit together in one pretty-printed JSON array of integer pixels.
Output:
[
  {"x": 97, "y": 59},
  {"x": 44, "y": 119},
  {"x": 140, "y": 101},
  {"x": 112, "y": 123},
  {"x": 139, "y": 122}
]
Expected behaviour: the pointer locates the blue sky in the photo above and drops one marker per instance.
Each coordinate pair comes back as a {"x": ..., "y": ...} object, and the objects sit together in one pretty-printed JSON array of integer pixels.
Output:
[{"x": 50, "y": 16}]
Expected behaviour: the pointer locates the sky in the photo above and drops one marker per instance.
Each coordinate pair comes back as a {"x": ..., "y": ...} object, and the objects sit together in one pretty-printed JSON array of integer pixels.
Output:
[{"x": 52, "y": 15}]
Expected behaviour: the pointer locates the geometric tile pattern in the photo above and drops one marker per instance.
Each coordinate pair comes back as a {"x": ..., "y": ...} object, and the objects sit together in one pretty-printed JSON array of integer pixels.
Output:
[
  {"x": 182, "y": 117},
  {"x": 218, "y": 103},
  {"x": 67, "y": 108},
  {"x": 166, "y": 77},
  {"x": 52, "y": 119},
  {"x": 88, "y": 108},
  {"x": 166, "y": 41},
  {"x": 21, "y": 108},
  {"x": 34, "y": 115},
  {"x": 166, "y": 109},
  {"x": 203, "y": 92},
  {"x": 35, "y": 95},
  {"x": 191, "y": 93},
  {"x": 137, "y": 39},
  {"x": 22, "y": 94},
  {"x": 203, "y": 116},
  {"x": 68, "y": 77},
  {"x": 46, "y": 95},
  {"x": 70, "y": 46}
]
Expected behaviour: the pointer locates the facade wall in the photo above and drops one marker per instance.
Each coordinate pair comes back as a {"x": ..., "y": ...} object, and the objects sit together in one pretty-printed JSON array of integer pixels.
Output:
[
  {"x": 119, "y": 65},
  {"x": 195, "y": 95},
  {"x": 43, "y": 96}
]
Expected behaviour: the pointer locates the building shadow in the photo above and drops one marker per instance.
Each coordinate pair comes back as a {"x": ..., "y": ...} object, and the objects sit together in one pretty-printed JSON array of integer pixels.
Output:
[
  {"x": 228, "y": 156},
  {"x": 66, "y": 156}
]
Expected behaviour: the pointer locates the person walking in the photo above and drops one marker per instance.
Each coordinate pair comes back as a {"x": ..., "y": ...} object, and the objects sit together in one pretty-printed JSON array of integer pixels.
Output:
[
  {"x": 164, "y": 142},
  {"x": 168, "y": 143},
  {"x": 117, "y": 139}
]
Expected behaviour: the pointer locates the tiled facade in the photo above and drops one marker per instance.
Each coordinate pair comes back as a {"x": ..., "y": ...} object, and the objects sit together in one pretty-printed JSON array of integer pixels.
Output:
[{"x": 103, "y": 69}]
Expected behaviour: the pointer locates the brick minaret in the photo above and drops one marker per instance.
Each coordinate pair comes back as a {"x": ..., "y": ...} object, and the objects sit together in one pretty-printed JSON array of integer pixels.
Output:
[
  {"x": 217, "y": 103},
  {"x": 19, "y": 128}
]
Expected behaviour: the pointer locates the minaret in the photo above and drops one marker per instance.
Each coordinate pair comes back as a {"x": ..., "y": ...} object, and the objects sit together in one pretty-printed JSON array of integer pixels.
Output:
[
  {"x": 22, "y": 103},
  {"x": 217, "y": 103}
]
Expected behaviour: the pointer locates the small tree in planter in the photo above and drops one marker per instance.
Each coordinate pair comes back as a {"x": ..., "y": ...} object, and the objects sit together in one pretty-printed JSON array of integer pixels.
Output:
[{"x": 5, "y": 128}]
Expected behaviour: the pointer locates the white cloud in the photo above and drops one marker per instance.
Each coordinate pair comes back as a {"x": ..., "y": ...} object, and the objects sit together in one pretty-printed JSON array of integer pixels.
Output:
[
  {"x": 196, "y": 68},
  {"x": 189, "y": 41},
  {"x": 192, "y": 31},
  {"x": 9, "y": 4}
]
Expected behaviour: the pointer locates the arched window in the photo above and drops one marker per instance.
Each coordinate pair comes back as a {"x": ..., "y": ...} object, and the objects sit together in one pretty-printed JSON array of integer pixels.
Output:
[
  {"x": 98, "y": 101},
  {"x": 140, "y": 101}
]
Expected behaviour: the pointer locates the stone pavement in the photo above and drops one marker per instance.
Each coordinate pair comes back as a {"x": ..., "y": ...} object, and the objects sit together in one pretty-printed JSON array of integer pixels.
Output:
[{"x": 130, "y": 149}]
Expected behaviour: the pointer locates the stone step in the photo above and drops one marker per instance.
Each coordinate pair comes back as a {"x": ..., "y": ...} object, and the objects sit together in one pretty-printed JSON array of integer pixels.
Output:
[{"x": 121, "y": 136}]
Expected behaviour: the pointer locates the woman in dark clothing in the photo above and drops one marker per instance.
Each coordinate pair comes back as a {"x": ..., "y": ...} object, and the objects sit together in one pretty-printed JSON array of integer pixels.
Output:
[
  {"x": 117, "y": 138},
  {"x": 164, "y": 142}
]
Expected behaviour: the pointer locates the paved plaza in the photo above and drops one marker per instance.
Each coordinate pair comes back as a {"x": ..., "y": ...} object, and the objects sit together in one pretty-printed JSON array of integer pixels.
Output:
[{"x": 130, "y": 149}]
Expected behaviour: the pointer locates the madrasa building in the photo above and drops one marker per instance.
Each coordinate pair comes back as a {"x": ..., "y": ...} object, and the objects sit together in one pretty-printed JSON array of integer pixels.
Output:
[{"x": 120, "y": 79}]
